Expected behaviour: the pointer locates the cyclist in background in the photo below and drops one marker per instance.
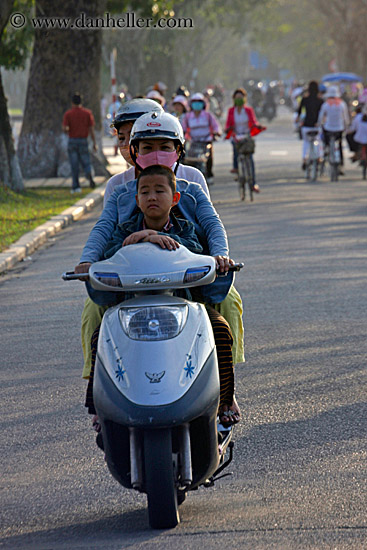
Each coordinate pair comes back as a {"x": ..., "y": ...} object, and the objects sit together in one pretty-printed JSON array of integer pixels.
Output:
[
  {"x": 241, "y": 120},
  {"x": 311, "y": 104},
  {"x": 334, "y": 118}
]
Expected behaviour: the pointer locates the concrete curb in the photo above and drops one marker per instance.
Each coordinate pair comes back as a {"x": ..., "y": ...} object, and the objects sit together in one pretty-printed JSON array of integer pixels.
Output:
[{"x": 29, "y": 242}]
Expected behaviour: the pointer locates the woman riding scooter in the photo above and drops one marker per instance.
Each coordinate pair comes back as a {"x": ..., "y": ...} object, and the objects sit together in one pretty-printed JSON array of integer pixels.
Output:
[{"x": 202, "y": 126}]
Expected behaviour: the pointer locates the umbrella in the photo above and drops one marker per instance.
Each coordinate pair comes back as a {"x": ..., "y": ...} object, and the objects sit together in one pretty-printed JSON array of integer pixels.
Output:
[{"x": 342, "y": 77}]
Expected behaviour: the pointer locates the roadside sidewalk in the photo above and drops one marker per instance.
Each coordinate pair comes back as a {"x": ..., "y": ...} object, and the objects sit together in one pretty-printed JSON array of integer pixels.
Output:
[{"x": 29, "y": 242}]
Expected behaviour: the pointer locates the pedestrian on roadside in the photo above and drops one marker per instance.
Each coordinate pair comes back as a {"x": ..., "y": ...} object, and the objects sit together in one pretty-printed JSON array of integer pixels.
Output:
[{"x": 78, "y": 123}]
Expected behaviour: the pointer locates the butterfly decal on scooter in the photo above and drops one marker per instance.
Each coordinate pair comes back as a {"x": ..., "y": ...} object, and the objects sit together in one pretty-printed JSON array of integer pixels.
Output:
[{"x": 155, "y": 377}]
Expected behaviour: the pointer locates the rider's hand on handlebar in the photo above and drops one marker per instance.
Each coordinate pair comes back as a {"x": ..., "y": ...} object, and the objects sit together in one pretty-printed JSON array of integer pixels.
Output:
[
  {"x": 138, "y": 236},
  {"x": 82, "y": 268},
  {"x": 223, "y": 263},
  {"x": 164, "y": 241}
]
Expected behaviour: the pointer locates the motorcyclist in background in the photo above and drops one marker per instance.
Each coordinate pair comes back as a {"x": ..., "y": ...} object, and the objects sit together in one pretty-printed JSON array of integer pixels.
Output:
[
  {"x": 180, "y": 106},
  {"x": 269, "y": 105},
  {"x": 212, "y": 101},
  {"x": 157, "y": 96},
  {"x": 201, "y": 125}
]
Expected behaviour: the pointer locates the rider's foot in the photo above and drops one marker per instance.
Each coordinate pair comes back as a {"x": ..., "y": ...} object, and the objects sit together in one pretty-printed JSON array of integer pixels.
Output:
[
  {"x": 340, "y": 172},
  {"x": 229, "y": 415},
  {"x": 95, "y": 423},
  {"x": 304, "y": 165},
  {"x": 256, "y": 188},
  {"x": 234, "y": 171}
]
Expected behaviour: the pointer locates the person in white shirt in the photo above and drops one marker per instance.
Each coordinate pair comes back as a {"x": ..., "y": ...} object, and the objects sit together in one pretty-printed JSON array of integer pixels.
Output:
[
  {"x": 334, "y": 118},
  {"x": 359, "y": 126}
]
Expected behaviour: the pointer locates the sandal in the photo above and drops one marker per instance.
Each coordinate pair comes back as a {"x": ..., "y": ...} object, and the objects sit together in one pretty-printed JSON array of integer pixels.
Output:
[
  {"x": 231, "y": 415},
  {"x": 228, "y": 418},
  {"x": 95, "y": 423}
]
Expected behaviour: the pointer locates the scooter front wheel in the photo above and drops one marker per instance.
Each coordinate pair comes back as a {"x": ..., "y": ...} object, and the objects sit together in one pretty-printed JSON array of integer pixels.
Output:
[{"x": 159, "y": 479}]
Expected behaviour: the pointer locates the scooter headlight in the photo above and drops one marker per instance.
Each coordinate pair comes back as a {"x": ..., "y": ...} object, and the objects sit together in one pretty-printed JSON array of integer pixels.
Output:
[{"x": 153, "y": 323}]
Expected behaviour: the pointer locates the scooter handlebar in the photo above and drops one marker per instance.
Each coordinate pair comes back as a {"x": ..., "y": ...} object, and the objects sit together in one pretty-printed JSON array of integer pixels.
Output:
[
  {"x": 71, "y": 276},
  {"x": 235, "y": 267}
]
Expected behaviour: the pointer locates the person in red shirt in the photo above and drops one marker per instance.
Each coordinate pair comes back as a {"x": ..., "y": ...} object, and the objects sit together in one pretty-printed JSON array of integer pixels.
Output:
[{"x": 78, "y": 123}]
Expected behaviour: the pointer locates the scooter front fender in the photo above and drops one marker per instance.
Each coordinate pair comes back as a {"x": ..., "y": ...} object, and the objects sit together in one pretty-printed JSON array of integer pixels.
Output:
[{"x": 201, "y": 399}]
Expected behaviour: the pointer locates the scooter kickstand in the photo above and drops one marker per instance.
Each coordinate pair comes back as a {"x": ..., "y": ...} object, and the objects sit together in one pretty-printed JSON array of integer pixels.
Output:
[{"x": 210, "y": 482}]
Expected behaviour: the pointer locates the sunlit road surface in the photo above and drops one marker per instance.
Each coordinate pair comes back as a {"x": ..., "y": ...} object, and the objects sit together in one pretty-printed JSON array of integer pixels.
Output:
[{"x": 300, "y": 457}]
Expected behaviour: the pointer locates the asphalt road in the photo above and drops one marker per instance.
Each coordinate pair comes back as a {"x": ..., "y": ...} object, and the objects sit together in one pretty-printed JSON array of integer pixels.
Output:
[{"x": 300, "y": 456}]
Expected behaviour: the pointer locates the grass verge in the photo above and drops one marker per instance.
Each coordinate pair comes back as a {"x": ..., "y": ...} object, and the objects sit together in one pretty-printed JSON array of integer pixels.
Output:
[{"x": 22, "y": 212}]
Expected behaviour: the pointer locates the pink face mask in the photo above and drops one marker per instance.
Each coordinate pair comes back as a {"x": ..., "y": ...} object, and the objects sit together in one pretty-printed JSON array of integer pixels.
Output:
[{"x": 157, "y": 157}]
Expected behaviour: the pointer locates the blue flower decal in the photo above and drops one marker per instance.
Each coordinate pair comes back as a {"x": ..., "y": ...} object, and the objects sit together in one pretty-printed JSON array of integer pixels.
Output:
[
  {"x": 120, "y": 373},
  {"x": 189, "y": 368}
]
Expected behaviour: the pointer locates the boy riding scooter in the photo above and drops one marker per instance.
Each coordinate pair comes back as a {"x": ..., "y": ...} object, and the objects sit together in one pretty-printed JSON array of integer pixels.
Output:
[{"x": 156, "y": 197}]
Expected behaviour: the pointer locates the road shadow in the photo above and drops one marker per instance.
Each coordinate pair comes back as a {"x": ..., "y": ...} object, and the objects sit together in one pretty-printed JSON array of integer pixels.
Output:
[
  {"x": 338, "y": 425},
  {"x": 116, "y": 531}
]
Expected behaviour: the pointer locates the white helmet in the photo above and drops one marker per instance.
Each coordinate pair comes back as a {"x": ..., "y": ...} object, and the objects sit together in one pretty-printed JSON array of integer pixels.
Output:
[
  {"x": 157, "y": 126},
  {"x": 154, "y": 94},
  {"x": 198, "y": 96},
  {"x": 133, "y": 109},
  {"x": 181, "y": 99},
  {"x": 332, "y": 91}
]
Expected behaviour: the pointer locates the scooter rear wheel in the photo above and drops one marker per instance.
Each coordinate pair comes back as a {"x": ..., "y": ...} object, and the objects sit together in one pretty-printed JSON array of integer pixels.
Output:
[{"x": 159, "y": 479}]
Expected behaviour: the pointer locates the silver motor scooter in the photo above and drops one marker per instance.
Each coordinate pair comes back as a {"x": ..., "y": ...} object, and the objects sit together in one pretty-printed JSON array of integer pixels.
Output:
[{"x": 156, "y": 380}]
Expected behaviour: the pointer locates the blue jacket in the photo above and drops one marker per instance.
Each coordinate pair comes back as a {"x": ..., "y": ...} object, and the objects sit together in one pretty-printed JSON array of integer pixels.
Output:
[
  {"x": 194, "y": 206},
  {"x": 182, "y": 231}
]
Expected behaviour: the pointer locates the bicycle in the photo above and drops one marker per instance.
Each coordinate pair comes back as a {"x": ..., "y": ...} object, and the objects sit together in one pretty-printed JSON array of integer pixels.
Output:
[
  {"x": 334, "y": 155},
  {"x": 245, "y": 148},
  {"x": 313, "y": 155}
]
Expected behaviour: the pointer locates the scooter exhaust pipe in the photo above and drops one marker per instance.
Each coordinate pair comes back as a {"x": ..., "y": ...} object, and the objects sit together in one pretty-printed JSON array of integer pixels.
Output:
[
  {"x": 185, "y": 447},
  {"x": 136, "y": 460}
]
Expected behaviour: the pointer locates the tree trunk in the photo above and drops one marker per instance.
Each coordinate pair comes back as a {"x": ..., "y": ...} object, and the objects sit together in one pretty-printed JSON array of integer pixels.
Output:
[
  {"x": 10, "y": 173},
  {"x": 64, "y": 61}
]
